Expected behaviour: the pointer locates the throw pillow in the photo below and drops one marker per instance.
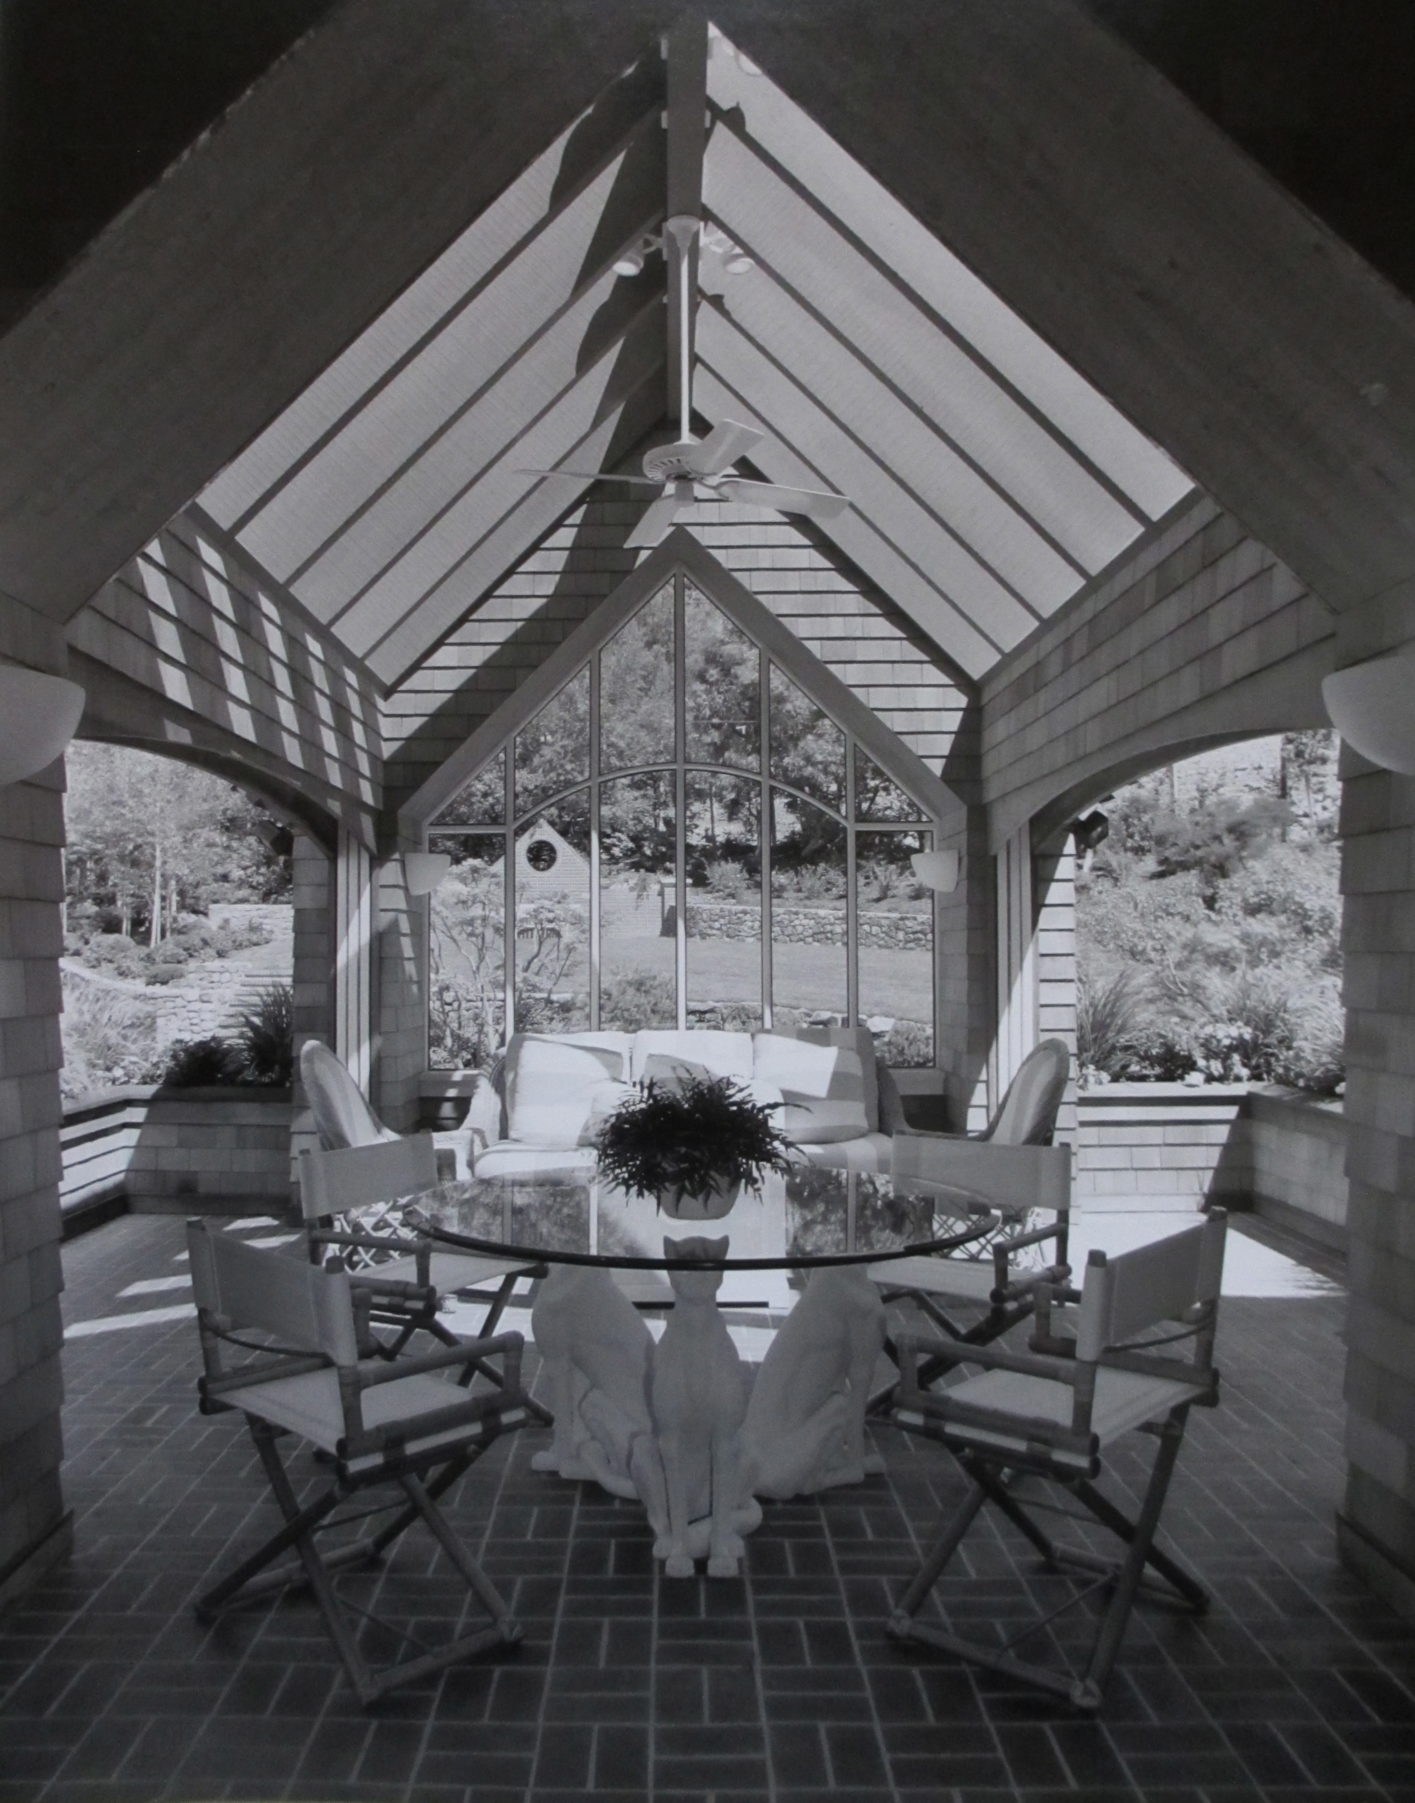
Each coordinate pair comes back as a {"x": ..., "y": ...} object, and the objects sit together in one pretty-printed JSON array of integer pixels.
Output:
[
  {"x": 822, "y": 1086},
  {"x": 551, "y": 1085}
]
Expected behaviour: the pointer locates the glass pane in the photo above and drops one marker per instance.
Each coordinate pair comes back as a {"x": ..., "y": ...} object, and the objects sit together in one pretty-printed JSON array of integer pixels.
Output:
[
  {"x": 723, "y": 687},
  {"x": 636, "y": 689},
  {"x": 895, "y": 922},
  {"x": 466, "y": 944},
  {"x": 553, "y": 919},
  {"x": 480, "y": 802},
  {"x": 808, "y": 925},
  {"x": 876, "y": 797},
  {"x": 636, "y": 836},
  {"x": 553, "y": 750},
  {"x": 807, "y": 747},
  {"x": 724, "y": 902}
]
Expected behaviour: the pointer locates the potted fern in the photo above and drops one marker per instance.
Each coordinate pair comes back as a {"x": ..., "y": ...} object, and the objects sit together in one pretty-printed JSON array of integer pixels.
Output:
[{"x": 691, "y": 1144}]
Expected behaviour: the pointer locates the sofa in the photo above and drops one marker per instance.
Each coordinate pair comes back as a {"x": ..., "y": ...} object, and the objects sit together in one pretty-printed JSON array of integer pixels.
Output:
[{"x": 536, "y": 1114}]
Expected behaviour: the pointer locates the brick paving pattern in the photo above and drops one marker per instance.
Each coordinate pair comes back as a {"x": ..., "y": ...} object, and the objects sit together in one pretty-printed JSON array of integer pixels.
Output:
[{"x": 1299, "y": 1684}]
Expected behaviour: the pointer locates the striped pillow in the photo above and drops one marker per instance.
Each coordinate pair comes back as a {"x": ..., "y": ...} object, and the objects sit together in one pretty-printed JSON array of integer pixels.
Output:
[
  {"x": 553, "y": 1087},
  {"x": 822, "y": 1086}
]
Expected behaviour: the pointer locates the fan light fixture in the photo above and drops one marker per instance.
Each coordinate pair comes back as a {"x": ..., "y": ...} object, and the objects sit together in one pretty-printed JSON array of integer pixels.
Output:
[
  {"x": 39, "y": 714},
  {"x": 424, "y": 870},
  {"x": 937, "y": 870},
  {"x": 1370, "y": 706}
]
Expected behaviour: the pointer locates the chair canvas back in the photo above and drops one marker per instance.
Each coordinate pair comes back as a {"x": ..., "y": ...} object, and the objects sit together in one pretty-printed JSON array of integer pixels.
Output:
[
  {"x": 349, "y": 1178},
  {"x": 257, "y": 1287},
  {"x": 342, "y": 1115},
  {"x": 1027, "y": 1116},
  {"x": 1165, "y": 1281}
]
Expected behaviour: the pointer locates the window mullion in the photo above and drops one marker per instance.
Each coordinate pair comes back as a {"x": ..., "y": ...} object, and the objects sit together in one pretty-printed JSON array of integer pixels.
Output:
[
  {"x": 764, "y": 829},
  {"x": 852, "y": 946},
  {"x": 595, "y": 874},
  {"x": 508, "y": 870},
  {"x": 680, "y": 801}
]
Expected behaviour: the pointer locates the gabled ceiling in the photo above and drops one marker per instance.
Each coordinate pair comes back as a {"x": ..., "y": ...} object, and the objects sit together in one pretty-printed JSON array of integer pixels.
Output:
[{"x": 989, "y": 482}]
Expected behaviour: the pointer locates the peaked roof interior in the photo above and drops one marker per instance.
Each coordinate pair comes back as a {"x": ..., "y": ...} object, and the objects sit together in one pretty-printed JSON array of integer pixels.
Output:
[{"x": 988, "y": 481}]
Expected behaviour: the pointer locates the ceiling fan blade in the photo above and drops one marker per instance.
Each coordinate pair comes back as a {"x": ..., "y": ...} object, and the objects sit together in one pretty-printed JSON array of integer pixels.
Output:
[
  {"x": 593, "y": 476},
  {"x": 813, "y": 501},
  {"x": 657, "y": 520},
  {"x": 727, "y": 441}
]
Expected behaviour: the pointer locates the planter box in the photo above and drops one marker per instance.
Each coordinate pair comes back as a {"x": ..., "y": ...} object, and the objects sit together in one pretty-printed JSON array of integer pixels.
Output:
[
  {"x": 1278, "y": 1152},
  {"x": 1299, "y": 1162},
  {"x": 1162, "y": 1145},
  {"x": 212, "y": 1151}
]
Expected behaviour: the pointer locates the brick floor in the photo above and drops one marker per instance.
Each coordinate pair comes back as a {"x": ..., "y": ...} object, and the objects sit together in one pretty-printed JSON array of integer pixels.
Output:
[{"x": 1299, "y": 1683}]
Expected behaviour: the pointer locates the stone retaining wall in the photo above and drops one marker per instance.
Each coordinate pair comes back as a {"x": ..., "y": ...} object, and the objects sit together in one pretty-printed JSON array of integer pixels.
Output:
[{"x": 797, "y": 925}]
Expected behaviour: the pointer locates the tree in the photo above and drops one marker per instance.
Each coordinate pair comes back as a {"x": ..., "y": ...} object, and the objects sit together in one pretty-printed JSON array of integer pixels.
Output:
[{"x": 151, "y": 837}]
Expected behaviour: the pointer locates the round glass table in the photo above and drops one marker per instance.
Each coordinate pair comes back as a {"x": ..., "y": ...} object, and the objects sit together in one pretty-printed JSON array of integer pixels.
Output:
[
  {"x": 682, "y": 1422},
  {"x": 805, "y": 1220}
]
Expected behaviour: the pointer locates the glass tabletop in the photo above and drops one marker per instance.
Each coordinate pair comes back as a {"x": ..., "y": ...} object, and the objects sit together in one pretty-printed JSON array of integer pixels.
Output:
[{"x": 807, "y": 1218}]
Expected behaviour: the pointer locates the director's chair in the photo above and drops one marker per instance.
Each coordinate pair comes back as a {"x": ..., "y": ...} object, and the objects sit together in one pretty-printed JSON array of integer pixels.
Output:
[{"x": 1051, "y": 1417}]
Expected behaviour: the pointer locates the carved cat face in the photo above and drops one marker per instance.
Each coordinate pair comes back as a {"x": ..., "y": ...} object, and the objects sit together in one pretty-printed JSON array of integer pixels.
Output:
[{"x": 695, "y": 1286}]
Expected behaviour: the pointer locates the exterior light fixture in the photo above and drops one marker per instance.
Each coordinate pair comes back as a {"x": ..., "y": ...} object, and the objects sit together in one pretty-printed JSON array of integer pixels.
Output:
[
  {"x": 424, "y": 870},
  {"x": 937, "y": 870},
  {"x": 39, "y": 714},
  {"x": 1090, "y": 830},
  {"x": 1372, "y": 706}
]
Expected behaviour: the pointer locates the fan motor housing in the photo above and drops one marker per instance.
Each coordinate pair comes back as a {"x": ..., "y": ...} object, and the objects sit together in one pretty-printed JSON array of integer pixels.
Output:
[{"x": 672, "y": 462}]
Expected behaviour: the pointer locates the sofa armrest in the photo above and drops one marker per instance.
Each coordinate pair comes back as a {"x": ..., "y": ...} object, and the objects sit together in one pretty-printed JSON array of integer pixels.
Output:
[{"x": 1009, "y": 1178}]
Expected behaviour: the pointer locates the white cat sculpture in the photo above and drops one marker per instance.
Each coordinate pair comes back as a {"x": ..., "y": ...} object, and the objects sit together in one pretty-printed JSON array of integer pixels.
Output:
[
  {"x": 805, "y": 1423},
  {"x": 597, "y": 1351},
  {"x": 698, "y": 1397}
]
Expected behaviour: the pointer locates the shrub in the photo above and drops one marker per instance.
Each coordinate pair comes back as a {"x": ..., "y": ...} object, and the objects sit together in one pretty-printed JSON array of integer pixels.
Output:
[
  {"x": 908, "y": 1045},
  {"x": 196, "y": 1063},
  {"x": 637, "y": 998},
  {"x": 1108, "y": 1013},
  {"x": 109, "y": 1038},
  {"x": 267, "y": 1040}
]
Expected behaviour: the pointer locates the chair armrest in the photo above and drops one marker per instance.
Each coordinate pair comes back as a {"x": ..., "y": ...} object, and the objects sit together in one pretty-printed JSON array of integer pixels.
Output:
[
  {"x": 511, "y": 1344},
  {"x": 913, "y": 1349},
  {"x": 1012, "y": 1178},
  {"x": 482, "y": 1121}
]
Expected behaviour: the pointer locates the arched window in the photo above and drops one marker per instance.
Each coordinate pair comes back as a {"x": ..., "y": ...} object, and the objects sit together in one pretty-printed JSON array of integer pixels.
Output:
[{"x": 682, "y": 836}]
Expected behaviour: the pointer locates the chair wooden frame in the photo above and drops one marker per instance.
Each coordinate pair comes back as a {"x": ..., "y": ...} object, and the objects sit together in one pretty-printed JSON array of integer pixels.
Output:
[
  {"x": 375, "y": 1423},
  {"x": 405, "y": 1291},
  {"x": 1050, "y": 1415}
]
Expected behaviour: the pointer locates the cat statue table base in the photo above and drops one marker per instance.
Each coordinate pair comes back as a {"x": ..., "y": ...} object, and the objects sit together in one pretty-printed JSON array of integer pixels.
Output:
[{"x": 682, "y": 1425}]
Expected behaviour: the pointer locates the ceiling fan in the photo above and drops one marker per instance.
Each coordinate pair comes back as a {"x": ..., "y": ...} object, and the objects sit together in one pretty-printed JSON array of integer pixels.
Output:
[{"x": 680, "y": 471}]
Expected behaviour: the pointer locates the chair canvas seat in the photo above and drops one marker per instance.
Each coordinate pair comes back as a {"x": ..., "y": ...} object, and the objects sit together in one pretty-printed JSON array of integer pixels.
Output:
[
  {"x": 1123, "y": 1400},
  {"x": 310, "y": 1405}
]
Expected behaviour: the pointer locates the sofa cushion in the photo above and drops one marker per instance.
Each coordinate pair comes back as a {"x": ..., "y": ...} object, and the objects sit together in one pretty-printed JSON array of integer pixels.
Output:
[
  {"x": 604, "y": 1098},
  {"x": 551, "y": 1080},
  {"x": 823, "y": 1087},
  {"x": 863, "y": 1042},
  {"x": 719, "y": 1053}
]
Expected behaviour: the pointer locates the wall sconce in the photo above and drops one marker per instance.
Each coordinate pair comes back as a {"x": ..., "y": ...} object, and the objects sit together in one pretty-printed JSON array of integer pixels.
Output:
[
  {"x": 1372, "y": 706},
  {"x": 39, "y": 714},
  {"x": 937, "y": 870},
  {"x": 424, "y": 870},
  {"x": 1090, "y": 830}
]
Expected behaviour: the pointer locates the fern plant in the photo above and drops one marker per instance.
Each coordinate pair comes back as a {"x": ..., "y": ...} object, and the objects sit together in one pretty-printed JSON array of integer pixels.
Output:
[{"x": 691, "y": 1136}]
